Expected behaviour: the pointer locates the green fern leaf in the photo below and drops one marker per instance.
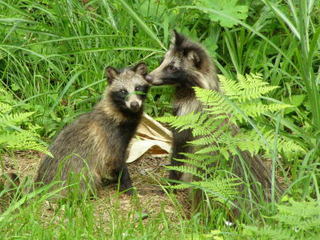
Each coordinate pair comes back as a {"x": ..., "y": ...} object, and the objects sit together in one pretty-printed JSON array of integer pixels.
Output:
[
  {"x": 186, "y": 169},
  {"x": 15, "y": 134}
]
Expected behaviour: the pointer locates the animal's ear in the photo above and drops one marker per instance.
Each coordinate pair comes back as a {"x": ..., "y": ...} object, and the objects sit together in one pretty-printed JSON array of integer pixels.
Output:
[
  {"x": 111, "y": 74},
  {"x": 141, "y": 68},
  {"x": 177, "y": 38},
  {"x": 194, "y": 57}
]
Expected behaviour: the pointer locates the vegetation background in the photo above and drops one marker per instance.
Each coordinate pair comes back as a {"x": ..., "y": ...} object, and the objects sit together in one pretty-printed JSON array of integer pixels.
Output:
[{"x": 52, "y": 60}]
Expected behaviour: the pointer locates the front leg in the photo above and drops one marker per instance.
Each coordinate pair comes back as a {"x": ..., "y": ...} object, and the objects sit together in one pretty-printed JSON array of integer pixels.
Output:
[
  {"x": 180, "y": 146},
  {"x": 125, "y": 180}
]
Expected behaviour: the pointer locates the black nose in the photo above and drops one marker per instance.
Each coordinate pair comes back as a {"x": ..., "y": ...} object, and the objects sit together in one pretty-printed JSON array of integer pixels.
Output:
[
  {"x": 134, "y": 106},
  {"x": 148, "y": 78}
]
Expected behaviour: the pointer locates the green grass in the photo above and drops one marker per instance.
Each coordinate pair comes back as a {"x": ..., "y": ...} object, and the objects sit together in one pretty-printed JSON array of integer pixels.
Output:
[
  {"x": 36, "y": 216},
  {"x": 53, "y": 55},
  {"x": 52, "y": 60}
]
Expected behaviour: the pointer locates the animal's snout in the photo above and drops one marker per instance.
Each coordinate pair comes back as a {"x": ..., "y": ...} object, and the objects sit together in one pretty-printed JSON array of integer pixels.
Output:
[
  {"x": 135, "y": 106},
  {"x": 154, "y": 78},
  {"x": 149, "y": 78}
]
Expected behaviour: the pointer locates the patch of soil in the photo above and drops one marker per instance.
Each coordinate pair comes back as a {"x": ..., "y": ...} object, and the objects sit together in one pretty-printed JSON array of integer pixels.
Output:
[{"x": 147, "y": 175}]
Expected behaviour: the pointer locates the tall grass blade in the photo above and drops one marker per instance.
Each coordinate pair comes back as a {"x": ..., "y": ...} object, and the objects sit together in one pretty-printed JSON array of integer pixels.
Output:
[
  {"x": 284, "y": 18},
  {"x": 66, "y": 88},
  {"x": 143, "y": 25}
]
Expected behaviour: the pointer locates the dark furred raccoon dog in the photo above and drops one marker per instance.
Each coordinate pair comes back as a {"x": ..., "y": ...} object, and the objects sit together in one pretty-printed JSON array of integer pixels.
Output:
[
  {"x": 95, "y": 144},
  {"x": 186, "y": 64}
]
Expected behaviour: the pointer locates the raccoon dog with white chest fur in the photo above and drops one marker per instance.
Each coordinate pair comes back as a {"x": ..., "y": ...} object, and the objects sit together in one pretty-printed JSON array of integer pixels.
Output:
[
  {"x": 94, "y": 146},
  {"x": 185, "y": 65}
]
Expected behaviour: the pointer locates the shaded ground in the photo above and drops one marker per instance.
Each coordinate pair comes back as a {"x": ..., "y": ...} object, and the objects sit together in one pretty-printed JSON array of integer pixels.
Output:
[{"x": 146, "y": 174}]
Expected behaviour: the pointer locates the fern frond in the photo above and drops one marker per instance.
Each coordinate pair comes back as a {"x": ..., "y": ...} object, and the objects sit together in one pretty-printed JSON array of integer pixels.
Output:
[
  {"x": 209, "y": 97},
  {"x": 222, "y": 190},
  {"x": 209, "y": 149},
  {"x": 247, "y": 88},
  {"x": 16, "y": 133},
  {"x": 229, "y": 87},
  {"x": 299, "y": 220},
  {"x": 192, "y": 163},
  {"x": 4, "y": 107},
  {"x": 180, "y": 186},
  {"x": 200, "y": 160},
  {"x": 15, "y": 118},
  {"x": 23, "y": 140},
  {"x": 207, "y": 140},
  {"x": 267, "y": 232},
  {"x": 215, "y": 131},
  {"x": 219, "y": 187},
  {"x": 259, "y": 108},
  {"x": 248, "y": 141},
  {"x": 186, "y": 169},
  {"x": 210, "y": 125},
  {"x": 181, "y": 122},
  {"x": 297, "y": 213},
  {"x": 214, "y": 102},
  {"x": 284, "y": 144}
]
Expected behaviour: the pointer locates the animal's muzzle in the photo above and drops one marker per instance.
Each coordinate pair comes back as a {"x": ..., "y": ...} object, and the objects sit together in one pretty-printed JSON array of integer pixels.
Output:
[
  {"x": 134, "y": 106},
  {"x": 149, "y": 78}
]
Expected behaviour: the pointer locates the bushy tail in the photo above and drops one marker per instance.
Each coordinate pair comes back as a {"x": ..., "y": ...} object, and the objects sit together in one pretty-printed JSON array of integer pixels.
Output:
[{"x": 255, "y": 171}]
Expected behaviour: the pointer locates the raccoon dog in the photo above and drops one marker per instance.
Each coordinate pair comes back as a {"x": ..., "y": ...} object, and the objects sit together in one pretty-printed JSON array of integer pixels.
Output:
[
  {"x": 185, "y": 65},
  {"x": 94, "y": 146}
]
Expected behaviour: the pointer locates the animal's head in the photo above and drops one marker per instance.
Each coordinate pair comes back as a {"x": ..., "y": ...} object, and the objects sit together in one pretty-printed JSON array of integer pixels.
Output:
[
  {"x": 182, "y": 64},
  {"x": 128, "y": 87}
]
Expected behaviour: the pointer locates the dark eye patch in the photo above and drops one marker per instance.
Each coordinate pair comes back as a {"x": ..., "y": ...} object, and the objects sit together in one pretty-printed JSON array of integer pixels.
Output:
[
  {"x": 171, "y": 68},
  {"x": 141, "y": 88},
  {"x": 118, "y": 98},
  {"x": 123, "y": 92},
  {"x": 141, "y": 91}
]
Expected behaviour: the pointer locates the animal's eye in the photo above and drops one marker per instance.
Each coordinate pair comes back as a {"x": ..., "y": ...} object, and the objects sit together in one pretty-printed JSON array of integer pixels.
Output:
[
  {"x": 123, "y": 92},
  {"x": 172, "y": 68},
  {"x": 141, "y": 89},
  {"x": 138, "y": 88}
]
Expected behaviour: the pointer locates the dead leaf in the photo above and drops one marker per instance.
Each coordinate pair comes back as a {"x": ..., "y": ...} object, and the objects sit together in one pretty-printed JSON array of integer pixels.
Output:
[{"x": 151, "y": 137}]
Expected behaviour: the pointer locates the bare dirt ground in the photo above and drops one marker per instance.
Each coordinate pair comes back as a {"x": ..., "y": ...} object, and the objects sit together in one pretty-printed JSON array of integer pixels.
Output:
[{"x": 146, "y": 173}]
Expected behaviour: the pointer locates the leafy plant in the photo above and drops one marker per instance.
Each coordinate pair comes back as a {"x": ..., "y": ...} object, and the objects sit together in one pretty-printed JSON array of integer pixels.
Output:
[
  {"x": 16, "y": 133},
  {"x": 52, "y": 56},
  {"x": 296, "y": 220},
  {"x": 217, "y": 139},
  {"x": 231, "y": 8},
  {"x": 240, "y": 102}
]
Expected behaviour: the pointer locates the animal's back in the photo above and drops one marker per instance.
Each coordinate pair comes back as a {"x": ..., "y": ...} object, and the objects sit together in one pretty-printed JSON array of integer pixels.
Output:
[{"x": 73, "y": 149}]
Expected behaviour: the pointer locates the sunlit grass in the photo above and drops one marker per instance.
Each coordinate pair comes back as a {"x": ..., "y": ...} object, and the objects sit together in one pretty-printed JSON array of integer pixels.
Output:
[{"x": 52, "y": 59}]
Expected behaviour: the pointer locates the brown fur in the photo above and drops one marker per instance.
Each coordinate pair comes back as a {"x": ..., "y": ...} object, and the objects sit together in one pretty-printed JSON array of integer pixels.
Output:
[{"x": 94, "y": 146}]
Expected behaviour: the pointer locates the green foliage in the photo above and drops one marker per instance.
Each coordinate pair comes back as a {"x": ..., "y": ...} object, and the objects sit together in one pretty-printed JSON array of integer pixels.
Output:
[
  {"x": 30, "y": 217},
  {"x": 52, "y": 56},
  {"x": 241, "y": 101},
  {"x": 218, "y": 139},
  {"x": 16, "y": 132},
  {"x": 221, "y": 189},
  {"x": 226, "y": 7},
  {"x": 298, "y": 220},
  {"x": 290, "y": 148}
]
